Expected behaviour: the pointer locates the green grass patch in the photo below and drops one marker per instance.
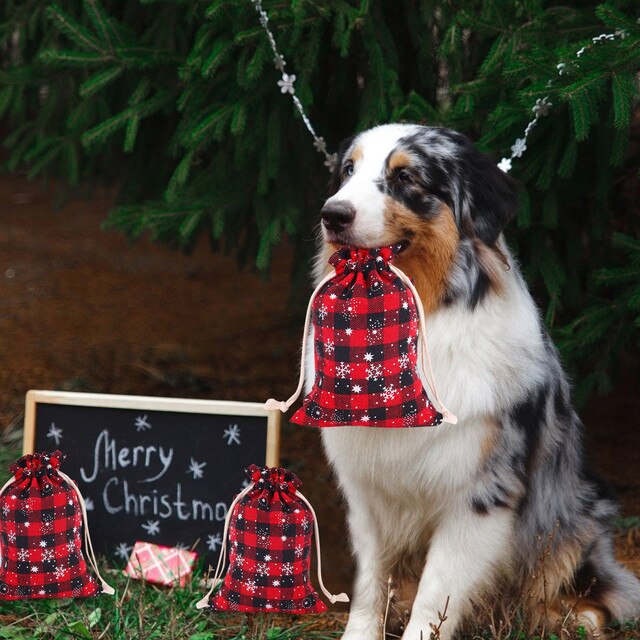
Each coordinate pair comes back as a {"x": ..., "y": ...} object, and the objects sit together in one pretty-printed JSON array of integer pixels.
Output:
[{"x": 142, "y": 611}]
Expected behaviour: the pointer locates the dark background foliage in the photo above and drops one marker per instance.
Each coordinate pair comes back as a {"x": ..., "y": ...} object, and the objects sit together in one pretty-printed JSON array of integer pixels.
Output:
[{"x": 174, "y": 103}]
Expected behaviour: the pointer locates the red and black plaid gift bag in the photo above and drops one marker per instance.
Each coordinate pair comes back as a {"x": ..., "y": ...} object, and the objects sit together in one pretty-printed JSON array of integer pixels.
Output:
[
  {"x": 367, "y": 318},
  {"x": 270, "y": 527},
  {"x": 41, "y": 520}
]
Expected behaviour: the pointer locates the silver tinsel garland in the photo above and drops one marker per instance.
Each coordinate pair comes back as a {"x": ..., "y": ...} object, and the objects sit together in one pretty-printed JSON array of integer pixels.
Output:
[{"x": 540, "y": 108}]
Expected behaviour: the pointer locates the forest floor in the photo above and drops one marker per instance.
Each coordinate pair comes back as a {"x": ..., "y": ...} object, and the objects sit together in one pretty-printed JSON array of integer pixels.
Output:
[{"x": 83, "y": 310}]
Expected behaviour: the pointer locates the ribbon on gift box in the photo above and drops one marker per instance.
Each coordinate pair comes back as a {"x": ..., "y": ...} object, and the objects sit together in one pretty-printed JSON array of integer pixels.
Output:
[{"x": 155, "y": 563}]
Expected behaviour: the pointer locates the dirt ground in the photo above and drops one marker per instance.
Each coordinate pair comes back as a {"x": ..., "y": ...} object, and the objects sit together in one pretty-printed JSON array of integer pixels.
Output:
[{"x": 82, "y": 310}]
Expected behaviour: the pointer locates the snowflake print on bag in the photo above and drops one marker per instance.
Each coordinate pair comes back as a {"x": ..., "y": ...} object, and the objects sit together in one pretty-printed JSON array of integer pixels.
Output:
[
  {"x": 389, "y": 393},
  {"x": 366, "y": 318},
  {"x": 343, "y": 370},
  {"x": 269, "y": 570},
  {"x": 374, "y": 372}
]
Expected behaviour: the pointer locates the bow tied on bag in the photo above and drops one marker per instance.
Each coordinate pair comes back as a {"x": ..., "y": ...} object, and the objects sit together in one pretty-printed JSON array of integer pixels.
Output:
[
  {"x": 40, "y": 469},
  {"x": 368, "y": 333},
  {"x": 269, "y": 528},
  {"x": 349, "y": 259},
  {"x": 272, "y": 479},
  {"x": 42, "y": 514}
]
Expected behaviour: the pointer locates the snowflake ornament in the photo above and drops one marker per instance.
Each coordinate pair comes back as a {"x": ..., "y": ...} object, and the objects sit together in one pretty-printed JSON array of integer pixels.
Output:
[
  {"x": 321, "y": 146},
  {"x": 286, "y": 83},
  {"x": 518, "y": 148},
  {"x": 541, "y": 107}
]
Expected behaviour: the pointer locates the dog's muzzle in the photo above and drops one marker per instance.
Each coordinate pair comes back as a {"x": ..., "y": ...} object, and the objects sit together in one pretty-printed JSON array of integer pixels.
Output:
[{"x": 337, "y": 216}]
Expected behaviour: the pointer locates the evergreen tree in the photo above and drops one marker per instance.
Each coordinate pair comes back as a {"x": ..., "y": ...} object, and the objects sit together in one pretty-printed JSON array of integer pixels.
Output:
[{"x": 175, "y": 102}]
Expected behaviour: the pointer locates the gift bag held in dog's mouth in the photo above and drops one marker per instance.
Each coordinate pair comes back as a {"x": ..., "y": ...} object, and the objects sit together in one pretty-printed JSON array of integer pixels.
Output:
[{"x": 368, "y": 332}]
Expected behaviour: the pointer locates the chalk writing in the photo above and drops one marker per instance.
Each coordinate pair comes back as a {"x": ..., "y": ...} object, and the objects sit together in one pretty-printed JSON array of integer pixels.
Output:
[
  {"x": 161, "y": 476},
  {"x": 106, "y": 450}
]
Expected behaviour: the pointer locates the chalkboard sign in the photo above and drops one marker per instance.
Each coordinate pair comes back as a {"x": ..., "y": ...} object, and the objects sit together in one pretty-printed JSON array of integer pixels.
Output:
[{"x": 154, "y": 469}]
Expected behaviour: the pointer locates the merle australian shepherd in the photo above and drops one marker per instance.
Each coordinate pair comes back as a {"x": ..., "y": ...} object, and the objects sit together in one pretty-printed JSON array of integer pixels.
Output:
[{"x": 498, "y": 507}]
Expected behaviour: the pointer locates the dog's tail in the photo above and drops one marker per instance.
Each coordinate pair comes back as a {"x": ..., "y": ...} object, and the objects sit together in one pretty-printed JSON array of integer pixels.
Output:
[{"x": 615, "y": 587}]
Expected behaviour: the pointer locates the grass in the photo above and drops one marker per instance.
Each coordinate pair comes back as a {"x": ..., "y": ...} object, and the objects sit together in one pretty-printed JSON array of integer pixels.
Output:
[{"x": 144, "y": 612}]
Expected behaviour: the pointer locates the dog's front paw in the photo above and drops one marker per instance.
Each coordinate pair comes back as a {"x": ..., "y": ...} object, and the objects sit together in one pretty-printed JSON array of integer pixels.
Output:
[{"x": 423, "y": 630}]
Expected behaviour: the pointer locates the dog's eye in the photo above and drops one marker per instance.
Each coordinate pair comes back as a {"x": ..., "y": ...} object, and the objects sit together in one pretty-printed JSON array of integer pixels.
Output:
[
  {"x": 348, "y": 169},
  {"x": 404, "y": 176}
]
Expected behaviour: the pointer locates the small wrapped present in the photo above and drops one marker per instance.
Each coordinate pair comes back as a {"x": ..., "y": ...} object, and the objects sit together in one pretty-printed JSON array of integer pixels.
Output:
[{"x": 161, "y": 565}]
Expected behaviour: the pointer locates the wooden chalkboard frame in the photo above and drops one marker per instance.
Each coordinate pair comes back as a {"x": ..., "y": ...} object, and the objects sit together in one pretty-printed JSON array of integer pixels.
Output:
[{"x": 152, "y": 403}]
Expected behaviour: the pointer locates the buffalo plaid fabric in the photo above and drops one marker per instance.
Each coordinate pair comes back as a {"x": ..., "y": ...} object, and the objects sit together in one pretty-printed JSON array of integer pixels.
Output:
[
  {"x": 366, "y": 344},
  {"x": 40, "y": 534},
  {"x": 270, "y": 534}
]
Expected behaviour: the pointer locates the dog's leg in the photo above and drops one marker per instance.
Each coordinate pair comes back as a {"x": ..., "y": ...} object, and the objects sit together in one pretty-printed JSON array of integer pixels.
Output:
[
  {"x": 466, "y": 552},
  {"x": 367, "y": 603}
]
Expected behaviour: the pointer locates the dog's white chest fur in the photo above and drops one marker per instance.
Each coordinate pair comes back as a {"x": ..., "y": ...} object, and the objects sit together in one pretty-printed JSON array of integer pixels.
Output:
[{"x": 482, "y": 360}]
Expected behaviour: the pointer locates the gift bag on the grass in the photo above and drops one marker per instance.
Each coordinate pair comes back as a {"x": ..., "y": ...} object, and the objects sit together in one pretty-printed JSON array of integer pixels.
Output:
[
  {"x": 270, "y": 527},
  {"x": 42, "y": 516},
  {"x": 368, "y": 331}
]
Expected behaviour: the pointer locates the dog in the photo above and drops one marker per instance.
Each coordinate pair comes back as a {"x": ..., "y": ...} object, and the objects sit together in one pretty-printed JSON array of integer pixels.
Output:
[{"x": 498, "y": 508}]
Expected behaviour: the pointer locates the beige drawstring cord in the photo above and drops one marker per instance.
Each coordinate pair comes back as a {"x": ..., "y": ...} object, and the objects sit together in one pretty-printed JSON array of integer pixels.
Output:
[
  {"x": 6, "y": 484},
  {"x": 447, "y": 416},
  {"x": 341, "y": 597},
  {"x": 271, "y": 404},
  {"x": 91, "y": 556},
  {"x": 217, "y": 576}
]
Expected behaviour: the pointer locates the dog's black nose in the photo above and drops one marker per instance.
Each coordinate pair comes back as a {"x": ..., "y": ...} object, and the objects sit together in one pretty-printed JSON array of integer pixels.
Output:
[{"x": 337, "y": 216}]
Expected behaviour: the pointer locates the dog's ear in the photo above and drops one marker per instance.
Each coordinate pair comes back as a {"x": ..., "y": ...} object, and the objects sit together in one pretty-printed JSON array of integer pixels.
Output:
[
  {"x": 489, "y": 198},
  {"x": 334, "y": 180}
]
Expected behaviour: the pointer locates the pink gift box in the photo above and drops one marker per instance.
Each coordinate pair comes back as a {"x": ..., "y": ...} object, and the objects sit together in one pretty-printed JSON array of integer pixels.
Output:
[{"x": 161, "y": 565}]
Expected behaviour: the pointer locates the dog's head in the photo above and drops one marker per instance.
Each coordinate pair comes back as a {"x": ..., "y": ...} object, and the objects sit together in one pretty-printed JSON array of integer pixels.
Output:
[{"x": 428, "y": 188}]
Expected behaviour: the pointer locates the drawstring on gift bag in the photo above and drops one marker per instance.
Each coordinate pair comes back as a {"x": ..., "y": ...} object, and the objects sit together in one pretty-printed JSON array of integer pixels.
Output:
[
  {"x": 340, "y": 597},
  {"x": 273, "y": 405},
  {"x": 217, "y": 578},
  {"x": 91, "y": 556},
  {"x": 447, "y": 416}
]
